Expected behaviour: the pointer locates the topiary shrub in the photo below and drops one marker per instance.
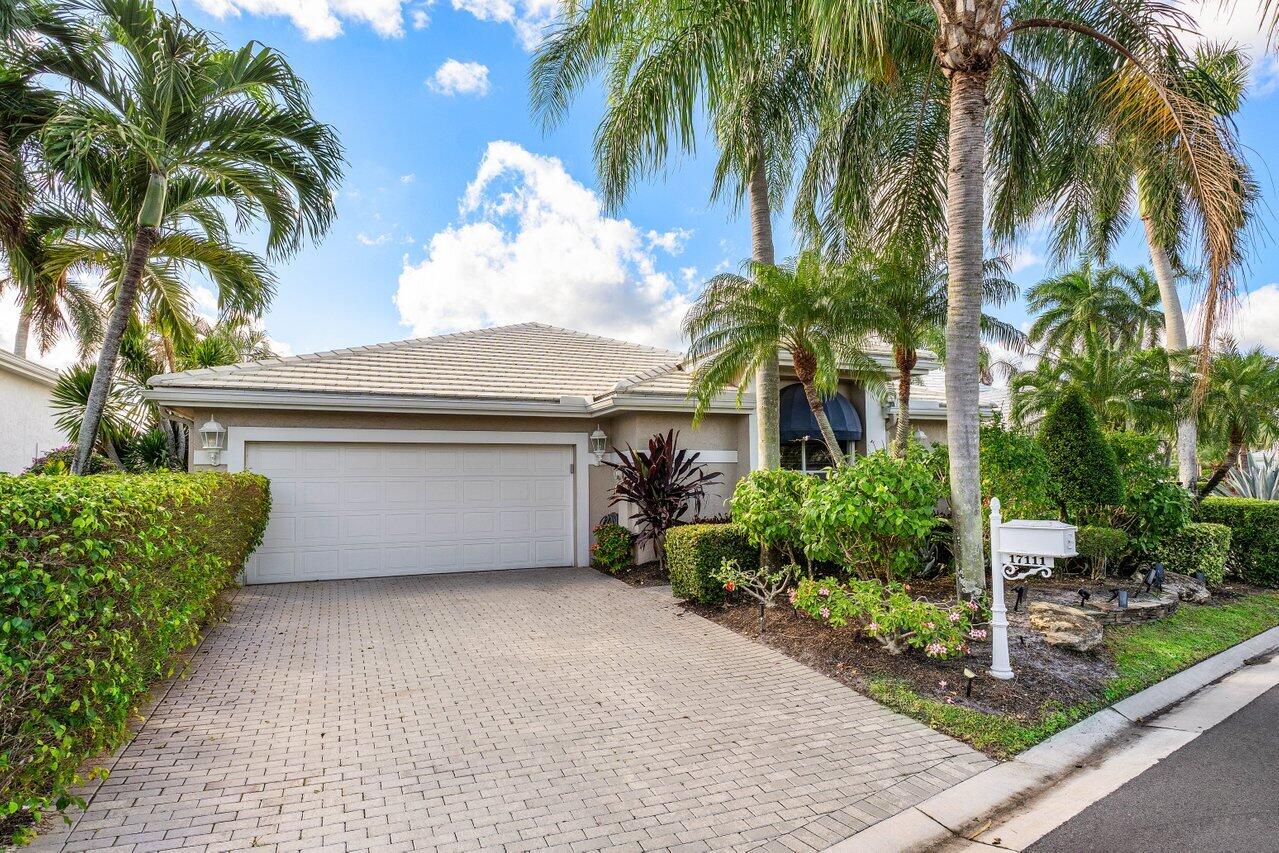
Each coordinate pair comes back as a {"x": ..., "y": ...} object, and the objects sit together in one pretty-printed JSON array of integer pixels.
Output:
[
  {"x": 614, "y": 547},
  {"x": 1254, "y": 535},
  {"x": 1199, "y": 547},
  {"x": 1098, "y": 545},
  {"x": 872, "y": 517},
  {"x": 103, "y": 580},
  {"x": 767, "y": 505},
  {"x": 1086, "y": 480},
  {"x": 695, "y": 552}
]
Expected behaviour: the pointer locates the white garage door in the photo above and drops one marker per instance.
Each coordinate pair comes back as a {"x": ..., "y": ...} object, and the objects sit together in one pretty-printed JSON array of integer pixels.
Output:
[{"x": 366, "y": 510}]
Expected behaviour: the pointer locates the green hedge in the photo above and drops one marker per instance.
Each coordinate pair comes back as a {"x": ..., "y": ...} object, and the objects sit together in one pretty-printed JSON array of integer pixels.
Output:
[
  {"x": 103, "y": 580},
  {"x": 1254, "y": 535},
  {"x": 1199, "y": 547},
  {"x": 694, "y": 551}
]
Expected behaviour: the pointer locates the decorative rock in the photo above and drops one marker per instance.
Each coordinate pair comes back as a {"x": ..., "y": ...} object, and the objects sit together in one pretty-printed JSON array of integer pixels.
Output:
[
  {"x": 1063, "y": 625},
  {"x": 1186, "y": 588}
]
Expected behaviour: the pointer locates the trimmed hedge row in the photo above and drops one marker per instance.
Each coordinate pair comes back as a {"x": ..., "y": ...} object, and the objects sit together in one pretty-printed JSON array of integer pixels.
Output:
[
  {"x": 695, "y": 551},
  {"x": 1199, "y": 547},
  {"x": 1254, "y": 539},
  {"x": 103, "y": 580}
]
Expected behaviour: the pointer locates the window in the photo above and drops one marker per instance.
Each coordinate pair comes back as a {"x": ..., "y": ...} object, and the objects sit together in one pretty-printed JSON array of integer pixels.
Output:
[{"x": 809, "y": 455}]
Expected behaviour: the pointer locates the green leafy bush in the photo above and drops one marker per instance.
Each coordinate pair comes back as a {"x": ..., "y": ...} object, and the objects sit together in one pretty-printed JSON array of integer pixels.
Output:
[
  {"x": 767, "y": 505},
  {"x": 1098, "y": 545},
  {"x": 871, "y": 517},
  {"x": 102, "y": 581},
  {"x": 58, "y": 461},
  {"x": 1015, "y": 469},
  {"x": 1199, "y": 547},
  {"x": 1135, "y": 449},
  {"x": 1254, "y": 535},
  {"x": 695, "y": 552},
  {"x": 888, "y": 614},
  {"x": 614, "y": 547},
  {"x": 1086, "y": 480}
]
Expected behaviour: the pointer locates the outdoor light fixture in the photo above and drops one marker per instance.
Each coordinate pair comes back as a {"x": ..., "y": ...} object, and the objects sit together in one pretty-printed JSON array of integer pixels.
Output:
[
  {"x": 599, "y": 444},
  {"x": 1123, "y": 599},
  {"x": 968, "y": 687},
  {"x": 213, "y": 440}
]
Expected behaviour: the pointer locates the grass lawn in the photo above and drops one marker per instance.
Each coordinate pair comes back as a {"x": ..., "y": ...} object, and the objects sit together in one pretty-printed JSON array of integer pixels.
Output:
[{"x": 1143, "y": 655}]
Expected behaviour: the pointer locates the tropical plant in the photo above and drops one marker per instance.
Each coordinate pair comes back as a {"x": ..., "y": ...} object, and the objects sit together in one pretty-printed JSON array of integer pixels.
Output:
[
  {"x": 613, "y": 548},
  {"x": 1015, "y": 470},
  {"x": 177, "y": 133},
  {"x": 674, "y": 69},
  {"x": 662, "y": 484},
  {"x": 956, "y": 109},
  {"x": 1086, "y": 481},
  {"x": 1254, "y": 480},
  {"x": 1098, "y": 545},
  {"x": 1091, "y": 307},
  {"x": 767, "y": 504},
  {"x": 1125, "y": 388},
  {"x": 760, "y": 582},
  {"x": 900, "y": 293},
  {"x": 1240, "y": 405},
  {"x": 804, "y": 307},
  {"x": 69, "y": 400}
]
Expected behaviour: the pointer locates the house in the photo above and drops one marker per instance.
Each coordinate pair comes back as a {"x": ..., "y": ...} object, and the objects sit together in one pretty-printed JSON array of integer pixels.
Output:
[
  {"x": 27, "y": 427},
  {"x": 468, "y": 451}
]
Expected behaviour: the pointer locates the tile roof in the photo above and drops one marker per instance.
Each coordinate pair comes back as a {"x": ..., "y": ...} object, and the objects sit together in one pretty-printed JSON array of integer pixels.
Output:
[{"x": 528, "y": 361}]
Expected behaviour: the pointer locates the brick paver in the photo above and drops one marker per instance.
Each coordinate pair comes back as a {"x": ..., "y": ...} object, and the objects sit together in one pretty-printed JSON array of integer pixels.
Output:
[{"x": 509, "y": 711}]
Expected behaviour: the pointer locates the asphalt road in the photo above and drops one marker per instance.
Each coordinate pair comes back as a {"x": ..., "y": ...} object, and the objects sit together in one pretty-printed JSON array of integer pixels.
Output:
[{"x": 1218, "y": 793}]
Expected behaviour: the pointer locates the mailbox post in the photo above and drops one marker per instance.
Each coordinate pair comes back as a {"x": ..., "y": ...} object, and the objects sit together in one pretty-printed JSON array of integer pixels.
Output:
[{"x": 1018, "y": 549}]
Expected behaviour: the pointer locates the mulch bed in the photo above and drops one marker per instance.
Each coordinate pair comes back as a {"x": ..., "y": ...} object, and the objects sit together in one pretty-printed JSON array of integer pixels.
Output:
[{"x": 645, "y": 574}]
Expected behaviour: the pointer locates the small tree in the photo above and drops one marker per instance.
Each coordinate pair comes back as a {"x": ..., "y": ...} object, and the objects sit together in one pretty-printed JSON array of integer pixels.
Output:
[
  {"x": 1085, "y": 474},
  {"x": 767, "y": 505},
  {"x": 661, "y": 484}
]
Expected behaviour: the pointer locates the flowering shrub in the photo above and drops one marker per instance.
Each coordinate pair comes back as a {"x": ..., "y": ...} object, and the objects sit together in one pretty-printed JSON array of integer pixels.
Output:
[
  {"x": 889, "y": 614},
  {"x": 766, "y": 505},
  {"x": 614, "y": 547}
]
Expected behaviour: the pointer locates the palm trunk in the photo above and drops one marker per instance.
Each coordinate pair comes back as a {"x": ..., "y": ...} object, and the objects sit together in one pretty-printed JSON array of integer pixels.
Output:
[
  {"x": 906, "y": 359},
  {"x": 1222, "y": 469},
  {"x": 23, "y": 333},
  {"x": 125, "y": 300},
  {"x": 1174, "y": 339},
  {"x": 806, "y": 372},
  {"x": 767, "y": 403},
  {"x": 965, "y": 214}
]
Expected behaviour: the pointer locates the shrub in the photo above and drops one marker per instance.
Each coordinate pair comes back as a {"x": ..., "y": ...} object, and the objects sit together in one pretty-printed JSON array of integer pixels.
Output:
[
  {"x": 1135, "y": 449},
  {"x": 767, "y": 505},
  {"x": 1086, "y": 480},
  {"x": 871, "y": 517},
  {"x": 58, "y": 461},
  {"x": 1098, "y": 545},
  {"x": 695, "y": 552},
  {"x": 1199, "y": 547},
  {"x": 614, "y": 547},
  {"x": 1254, "y": 535},
  {"x": 1153, "y": 510},
  {"x": 102, "y": 581},
  {"x": 1015, "y": 469},
  {"x": 888, "y": 613},
  {"x": 760, "y": 582}
]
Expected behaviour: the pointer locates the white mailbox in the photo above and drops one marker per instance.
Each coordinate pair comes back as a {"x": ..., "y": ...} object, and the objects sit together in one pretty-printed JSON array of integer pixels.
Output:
[{"x": 1038, "y": 538}]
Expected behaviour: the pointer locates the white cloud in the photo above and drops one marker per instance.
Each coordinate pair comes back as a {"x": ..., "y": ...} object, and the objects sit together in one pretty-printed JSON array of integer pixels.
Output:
[
  {"x": 689, "y": 274},
  {"x": 1238, "y": 22},
  {"x": 318, "y": 19},
  {"x": 533, "y": 244},
  {"x": 63, "y": 353},
  {"x": 1254, "y": 320},
  {"x": 1022, "y": 259},
  {"x": 529, "y": 18},
  {"x": 672, "y": 242},
  {"x": 408, "y": 179},
  {"x": 419, "y": 16},
  {"x": 376, "y": 240},
  {"x": 460, "y": 78}
]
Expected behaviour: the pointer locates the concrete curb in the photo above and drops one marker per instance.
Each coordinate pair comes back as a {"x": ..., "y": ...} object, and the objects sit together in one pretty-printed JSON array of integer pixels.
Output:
[{"x": 960, "y": 813}]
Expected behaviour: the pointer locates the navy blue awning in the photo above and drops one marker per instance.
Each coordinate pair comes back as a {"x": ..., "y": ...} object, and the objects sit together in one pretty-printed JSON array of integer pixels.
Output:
[{"x": 797, "y": 419}]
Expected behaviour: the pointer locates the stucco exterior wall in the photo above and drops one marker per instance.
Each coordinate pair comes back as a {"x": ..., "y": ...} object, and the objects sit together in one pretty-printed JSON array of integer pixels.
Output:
[
  {"x": 934, "y": 430},
  {"x": 26, "y": 421}
]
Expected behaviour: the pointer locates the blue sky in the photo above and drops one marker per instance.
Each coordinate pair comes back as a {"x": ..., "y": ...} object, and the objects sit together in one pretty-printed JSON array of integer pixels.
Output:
[{"x": 458, "y": 210}]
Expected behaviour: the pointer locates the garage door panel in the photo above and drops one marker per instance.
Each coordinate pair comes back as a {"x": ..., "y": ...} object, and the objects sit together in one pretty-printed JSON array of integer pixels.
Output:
[{"x": 363, "y": 510}]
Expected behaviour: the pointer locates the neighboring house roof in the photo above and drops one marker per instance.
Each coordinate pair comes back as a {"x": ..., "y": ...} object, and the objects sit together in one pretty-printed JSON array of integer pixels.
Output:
[
  {"x": 928, "y": 398},
  {"x": 530, "y": 362},
  {"x": 10, "y": 363}
]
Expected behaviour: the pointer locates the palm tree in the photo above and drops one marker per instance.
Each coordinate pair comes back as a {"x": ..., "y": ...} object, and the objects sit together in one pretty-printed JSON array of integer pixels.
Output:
[
  {"x": 175, "y": 134},
  {"x": 1240, "y": 404},
  {"x": 1090, "y": 306},
  {"x": 964, "y": 93},
  {"x": 53, "y": 302},
  {"x": 1106, "y": 172},
  {"x": 802, "y": 306},
  {"x": 1126, "y": 388},
  {"x": 901, "y": 295},
  {"x": 673, "y": 68}
]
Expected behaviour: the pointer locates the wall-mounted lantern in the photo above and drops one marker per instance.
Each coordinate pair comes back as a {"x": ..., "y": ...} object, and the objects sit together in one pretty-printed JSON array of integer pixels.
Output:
[
  {"x": 213, "y": 440},
  {"x": 599, "y": 444}
]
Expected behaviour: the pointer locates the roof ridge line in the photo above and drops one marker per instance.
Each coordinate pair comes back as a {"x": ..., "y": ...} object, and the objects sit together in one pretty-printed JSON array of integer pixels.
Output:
[{"x": 595, "y": 337}]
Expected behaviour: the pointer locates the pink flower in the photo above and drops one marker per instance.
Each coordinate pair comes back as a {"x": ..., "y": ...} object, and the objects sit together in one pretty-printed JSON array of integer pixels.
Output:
[
  {"x": 972, "y": 605},
  {"x": 823, "y": 591},
  {"x": 792, "y": 596},
  {"x": 935, "y": 649},
  {"x": 977, "y": 634},
  {"x": 929, "y": 625},
  {"x": 873, "y": 627},
  {"x": 825, "y": 611},
  {"x": 955, "y": 617},
  {"x": 950, "y": 700},
  {"x": 942, "y": 685}
]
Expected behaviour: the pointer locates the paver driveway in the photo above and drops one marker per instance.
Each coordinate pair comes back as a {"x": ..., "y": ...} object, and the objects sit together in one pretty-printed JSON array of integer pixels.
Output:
[{"x": 515, "y": 710}]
